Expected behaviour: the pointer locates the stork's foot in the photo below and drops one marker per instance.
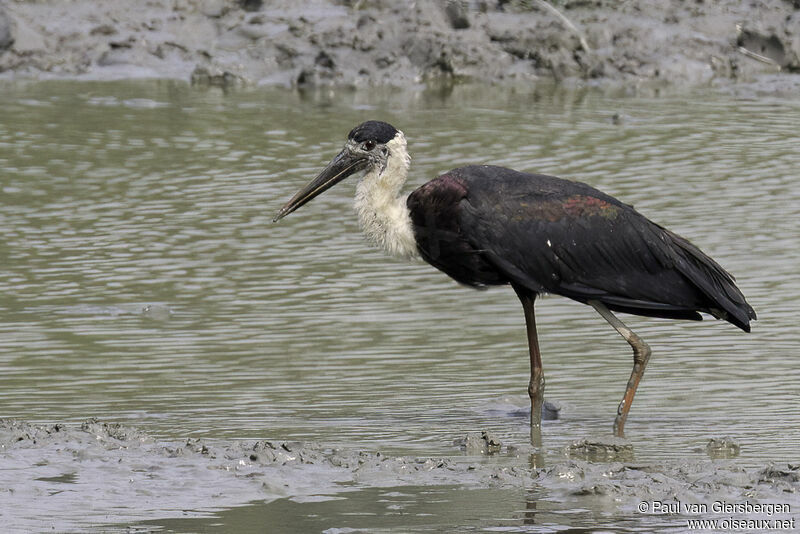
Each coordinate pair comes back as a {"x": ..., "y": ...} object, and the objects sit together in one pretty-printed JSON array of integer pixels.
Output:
[
  {"x": 536, "y": 437},
  {"x": 641, "y": 355},
  {"x": 619, "y": 420},
  {"x": 536, "y": 393},
  {"x": 549, "y": 411},
  {"x": 619, "y": 424}
]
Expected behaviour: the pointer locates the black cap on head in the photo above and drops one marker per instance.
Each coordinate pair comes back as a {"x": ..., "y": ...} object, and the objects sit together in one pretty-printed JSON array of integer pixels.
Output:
[{"x": 381, "y": 132}]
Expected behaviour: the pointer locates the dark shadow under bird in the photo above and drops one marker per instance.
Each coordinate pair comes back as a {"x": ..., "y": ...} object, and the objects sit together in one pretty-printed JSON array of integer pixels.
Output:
[{"x": 485, "y": 225}]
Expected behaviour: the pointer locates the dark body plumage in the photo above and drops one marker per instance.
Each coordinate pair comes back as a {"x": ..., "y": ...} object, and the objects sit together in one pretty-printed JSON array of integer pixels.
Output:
[{"x": 486, "y": 225}]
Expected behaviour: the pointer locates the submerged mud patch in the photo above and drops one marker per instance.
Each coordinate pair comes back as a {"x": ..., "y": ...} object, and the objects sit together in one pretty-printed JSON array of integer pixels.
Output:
[
  {"x": 608, "y": 449},
  {"x": 49, "y": 472}
]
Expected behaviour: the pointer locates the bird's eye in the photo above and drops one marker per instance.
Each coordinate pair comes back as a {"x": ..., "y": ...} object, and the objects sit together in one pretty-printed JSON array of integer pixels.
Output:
[{"x": 368, "y": 145}]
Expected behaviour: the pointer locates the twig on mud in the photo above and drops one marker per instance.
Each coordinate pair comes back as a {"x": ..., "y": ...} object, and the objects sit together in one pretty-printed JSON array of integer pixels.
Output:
[
  {"x": 753, "y": 55},
  {"x": 566, "y": 22},
  {"x": 759, "y": 57}
]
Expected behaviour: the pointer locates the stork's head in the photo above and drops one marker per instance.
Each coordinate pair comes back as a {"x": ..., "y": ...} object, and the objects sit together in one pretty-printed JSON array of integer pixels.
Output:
[{"x": 369, "y": 146}]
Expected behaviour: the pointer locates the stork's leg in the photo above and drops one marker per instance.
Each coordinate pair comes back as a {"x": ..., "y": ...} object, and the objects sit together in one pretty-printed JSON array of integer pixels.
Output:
[
  {"x": 641, "y": 355},
  {"x": 536, "y": 384}
]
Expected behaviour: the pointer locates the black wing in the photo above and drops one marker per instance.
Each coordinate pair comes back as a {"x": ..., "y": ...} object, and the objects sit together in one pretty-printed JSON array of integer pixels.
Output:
[{"x": 567, "y": 238}]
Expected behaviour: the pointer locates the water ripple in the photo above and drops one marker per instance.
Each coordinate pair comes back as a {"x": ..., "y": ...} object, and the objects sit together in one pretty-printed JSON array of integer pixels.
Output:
[{"x": 143, "y": 280}]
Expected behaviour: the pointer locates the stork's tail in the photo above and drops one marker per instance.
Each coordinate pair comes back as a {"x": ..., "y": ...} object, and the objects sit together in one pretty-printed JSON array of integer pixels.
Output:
[{"x": 725, "y": 300}]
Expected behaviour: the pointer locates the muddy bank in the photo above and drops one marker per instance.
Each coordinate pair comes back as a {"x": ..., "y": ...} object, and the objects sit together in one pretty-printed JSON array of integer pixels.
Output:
[
  {"x": 378, "y": 42},
  {"x": 49, "y": 472}
]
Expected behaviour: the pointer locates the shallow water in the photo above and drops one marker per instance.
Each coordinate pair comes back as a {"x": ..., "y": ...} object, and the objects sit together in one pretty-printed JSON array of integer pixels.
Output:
[{"x": 143, "y": 282}]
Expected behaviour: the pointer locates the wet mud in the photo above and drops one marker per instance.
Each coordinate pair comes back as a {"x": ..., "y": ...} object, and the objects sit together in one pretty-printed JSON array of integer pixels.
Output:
[
  {"x": 379, "y": 42},
  {"x": 50, "y": 472}
]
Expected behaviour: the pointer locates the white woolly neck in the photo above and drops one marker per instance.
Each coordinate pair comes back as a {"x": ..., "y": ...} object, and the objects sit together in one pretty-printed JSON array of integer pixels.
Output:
[{"x": 382, "y": 212}]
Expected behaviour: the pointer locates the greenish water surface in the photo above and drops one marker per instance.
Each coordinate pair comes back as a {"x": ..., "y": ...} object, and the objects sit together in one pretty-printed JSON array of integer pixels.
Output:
[{"x": 143, "y": 282}]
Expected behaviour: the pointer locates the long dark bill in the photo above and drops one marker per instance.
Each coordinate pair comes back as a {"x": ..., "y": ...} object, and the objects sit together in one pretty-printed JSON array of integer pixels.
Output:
[{"x": 342, "y": 166}]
